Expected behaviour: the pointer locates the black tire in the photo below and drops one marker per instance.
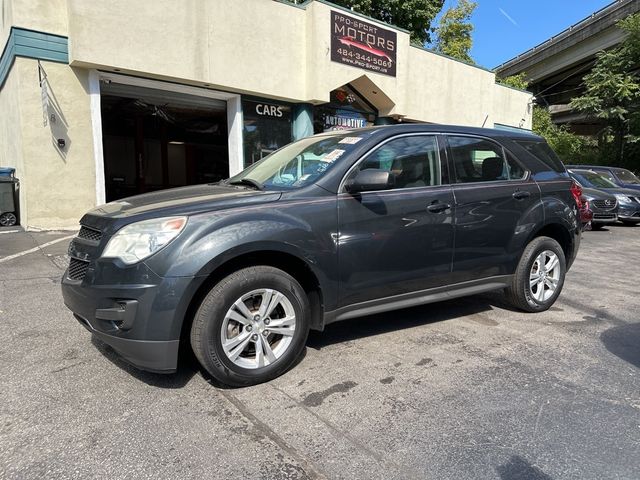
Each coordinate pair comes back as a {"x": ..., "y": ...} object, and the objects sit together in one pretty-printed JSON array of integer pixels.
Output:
[
  {"x": 206, "y": 331},
  {"x": 629, "y": 223},
  {"x": 596, "y": 226},
  {"x": 519, "y": 292}
]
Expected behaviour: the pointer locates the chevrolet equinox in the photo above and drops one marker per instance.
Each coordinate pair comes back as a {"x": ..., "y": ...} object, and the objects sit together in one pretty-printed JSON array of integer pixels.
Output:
[{"x": 339, "y": 225}]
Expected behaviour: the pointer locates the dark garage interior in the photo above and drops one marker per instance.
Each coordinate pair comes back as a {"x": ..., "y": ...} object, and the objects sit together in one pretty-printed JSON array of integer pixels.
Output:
[{"x": 154, "y": 139}]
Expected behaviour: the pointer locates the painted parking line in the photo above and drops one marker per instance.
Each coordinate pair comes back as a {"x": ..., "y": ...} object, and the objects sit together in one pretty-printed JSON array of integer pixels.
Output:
[
  {"x": 9, "y": 231},
  {"x": 35, "y": 249}
]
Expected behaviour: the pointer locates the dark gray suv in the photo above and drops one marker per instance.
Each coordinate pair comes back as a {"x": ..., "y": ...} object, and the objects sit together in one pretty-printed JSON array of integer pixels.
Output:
[{"x": 335, "y": 226}]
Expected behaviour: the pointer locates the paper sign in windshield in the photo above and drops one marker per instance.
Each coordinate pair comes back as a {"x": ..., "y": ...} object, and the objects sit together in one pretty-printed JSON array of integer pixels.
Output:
[
  {"x": 333, "y": 155},
  {"x": 350, "y": 140}
]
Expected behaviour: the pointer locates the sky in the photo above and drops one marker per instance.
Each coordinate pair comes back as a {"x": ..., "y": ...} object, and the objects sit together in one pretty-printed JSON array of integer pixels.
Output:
[{"x": 506, "y": 28}]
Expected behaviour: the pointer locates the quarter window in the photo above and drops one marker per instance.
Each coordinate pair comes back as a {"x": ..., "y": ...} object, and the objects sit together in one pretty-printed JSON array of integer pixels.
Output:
[
  {"x": 479, "y": 160},
  {"x": 410, "y": 161}
]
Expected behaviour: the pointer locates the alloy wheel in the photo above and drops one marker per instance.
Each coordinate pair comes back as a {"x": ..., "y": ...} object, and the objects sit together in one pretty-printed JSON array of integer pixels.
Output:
[
  {"x": 544, "y": 276},
  {"x": 258, "y": 328}
]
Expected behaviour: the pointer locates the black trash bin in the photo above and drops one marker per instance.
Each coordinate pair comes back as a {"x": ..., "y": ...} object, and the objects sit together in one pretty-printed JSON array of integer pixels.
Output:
[{"x": 8, "y": 197}]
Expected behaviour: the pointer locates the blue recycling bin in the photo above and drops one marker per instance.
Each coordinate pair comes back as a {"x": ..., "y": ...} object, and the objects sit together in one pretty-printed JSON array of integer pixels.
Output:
[{"x": 7, "y": 172}]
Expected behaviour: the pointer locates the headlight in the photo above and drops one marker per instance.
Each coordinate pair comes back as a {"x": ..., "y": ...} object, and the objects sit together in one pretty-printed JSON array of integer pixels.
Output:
[
  {"x": 140, "y": 240},
  {"x": 623, "y": 198}
]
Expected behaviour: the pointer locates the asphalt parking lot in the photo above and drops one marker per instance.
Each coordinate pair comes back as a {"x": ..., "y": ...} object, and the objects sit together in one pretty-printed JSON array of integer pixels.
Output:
[{"x": 466, "y": 389}]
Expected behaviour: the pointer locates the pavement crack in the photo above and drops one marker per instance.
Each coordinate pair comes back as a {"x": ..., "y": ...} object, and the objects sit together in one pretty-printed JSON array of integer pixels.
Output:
[
  {"x": 309, "y": 469},
  {"x": 355, "y": 442},
  {"x": 61, "y": 369}
]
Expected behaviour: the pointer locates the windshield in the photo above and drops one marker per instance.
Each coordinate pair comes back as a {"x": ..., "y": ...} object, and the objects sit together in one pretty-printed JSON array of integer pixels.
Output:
[
  {"x": 300, "y": 163},
  {"x": 593, "y": 180},
  {"x": 627, "y": 177}
]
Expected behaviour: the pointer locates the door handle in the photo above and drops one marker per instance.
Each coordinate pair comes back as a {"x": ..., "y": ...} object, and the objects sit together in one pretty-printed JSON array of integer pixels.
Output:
[
  {"x": 521, "y": 194},
  {"x": 438, "y": 207}
]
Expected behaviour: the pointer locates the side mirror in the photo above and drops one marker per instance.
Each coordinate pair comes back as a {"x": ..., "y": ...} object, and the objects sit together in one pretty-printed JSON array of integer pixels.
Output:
[{"x": 368, "y": 180}]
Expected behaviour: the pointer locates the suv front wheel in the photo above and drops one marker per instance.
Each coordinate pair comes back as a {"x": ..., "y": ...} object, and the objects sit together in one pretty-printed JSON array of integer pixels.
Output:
[
  {"x": 539, "y": 277},
  {"x": 251, "y": 327}
]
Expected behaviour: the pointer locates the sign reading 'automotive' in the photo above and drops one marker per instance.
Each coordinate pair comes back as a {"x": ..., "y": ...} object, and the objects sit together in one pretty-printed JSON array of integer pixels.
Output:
[{"x": 362, "y": 44}]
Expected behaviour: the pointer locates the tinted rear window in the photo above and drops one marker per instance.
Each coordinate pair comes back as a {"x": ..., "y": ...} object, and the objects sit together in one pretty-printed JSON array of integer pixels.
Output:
[{"x": 543, "y": 152}]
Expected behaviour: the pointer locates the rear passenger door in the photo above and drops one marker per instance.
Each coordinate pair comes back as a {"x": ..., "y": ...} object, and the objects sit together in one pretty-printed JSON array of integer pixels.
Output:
[{"x": 493, "y": 194}]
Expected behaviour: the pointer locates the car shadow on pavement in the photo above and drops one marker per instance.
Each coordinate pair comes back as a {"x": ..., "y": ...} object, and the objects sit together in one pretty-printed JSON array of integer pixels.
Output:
[
  {"x": 624, "y": 342},
  {"x": 399, "y": 319},
  {"x": 186, "y": 368},
  {"x": 518, "y": 468}
]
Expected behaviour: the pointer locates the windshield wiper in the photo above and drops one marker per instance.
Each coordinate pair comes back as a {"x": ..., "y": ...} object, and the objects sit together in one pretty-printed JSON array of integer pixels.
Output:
[{"x": 249, "y": 182}]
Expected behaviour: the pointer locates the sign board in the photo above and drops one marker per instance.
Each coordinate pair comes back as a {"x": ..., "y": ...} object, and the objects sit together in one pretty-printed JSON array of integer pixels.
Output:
[
  {"x": 267, "y": 110},
  {"x": 362, "y": 44}
]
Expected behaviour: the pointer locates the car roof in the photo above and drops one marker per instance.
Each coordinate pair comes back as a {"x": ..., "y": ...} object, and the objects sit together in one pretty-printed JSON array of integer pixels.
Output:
[{"x": 441, "y": 128}]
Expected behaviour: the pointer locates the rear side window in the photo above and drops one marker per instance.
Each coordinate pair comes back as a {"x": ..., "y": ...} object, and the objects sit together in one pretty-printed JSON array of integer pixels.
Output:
[
  {"x": 480, "y": 160},
  {"x": 542, "y": 152}
]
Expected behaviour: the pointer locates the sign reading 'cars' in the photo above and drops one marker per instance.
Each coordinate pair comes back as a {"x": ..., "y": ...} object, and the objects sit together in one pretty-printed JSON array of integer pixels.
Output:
[{"x": 362, "y": 44}]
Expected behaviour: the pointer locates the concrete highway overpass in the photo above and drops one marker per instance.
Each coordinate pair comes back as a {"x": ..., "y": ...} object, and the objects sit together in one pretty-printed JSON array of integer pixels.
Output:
[{"x": 556, "y": 67}]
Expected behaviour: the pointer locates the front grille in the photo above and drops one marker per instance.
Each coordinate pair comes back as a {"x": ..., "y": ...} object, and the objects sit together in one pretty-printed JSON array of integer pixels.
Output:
[
  {"x": 605, "y": 204},
  {"x": 89, "y": 234},
  {"x": 605, "y": 216},
  {"x": 77, "y": 269}
]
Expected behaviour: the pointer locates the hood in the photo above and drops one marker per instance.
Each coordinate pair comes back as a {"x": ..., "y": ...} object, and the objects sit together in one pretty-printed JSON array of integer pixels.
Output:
[
  {"x": 179, "y": 201},
  {"x": 632, "y": 186},
  {"x": 594, "y": 194}
]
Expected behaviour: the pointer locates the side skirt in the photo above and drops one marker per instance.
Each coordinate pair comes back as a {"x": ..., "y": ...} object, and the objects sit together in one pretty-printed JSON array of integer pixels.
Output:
[{"x": 421, "y": 297}]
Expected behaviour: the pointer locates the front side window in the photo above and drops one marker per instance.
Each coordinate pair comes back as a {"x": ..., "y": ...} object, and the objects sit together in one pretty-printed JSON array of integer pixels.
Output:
[
  {"x": 479, "y": 160},
  {"x": 411, "y": 162}
]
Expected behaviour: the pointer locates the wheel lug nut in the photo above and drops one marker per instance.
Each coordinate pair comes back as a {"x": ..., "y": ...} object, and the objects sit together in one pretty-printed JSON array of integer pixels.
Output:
[
  {"x": 267, "y": 321},
  {"x": 249, "y": 328},
  {"x": 254, "y": 337},
  {"x": 265, "y": 333}
]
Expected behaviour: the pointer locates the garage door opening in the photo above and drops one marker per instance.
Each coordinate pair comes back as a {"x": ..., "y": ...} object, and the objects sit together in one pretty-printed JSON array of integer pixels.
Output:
[{"x": 156, "y": 139}]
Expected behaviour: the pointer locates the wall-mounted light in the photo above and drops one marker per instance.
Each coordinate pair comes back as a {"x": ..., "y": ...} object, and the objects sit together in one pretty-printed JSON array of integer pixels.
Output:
[{"x": 61, "y": 143}]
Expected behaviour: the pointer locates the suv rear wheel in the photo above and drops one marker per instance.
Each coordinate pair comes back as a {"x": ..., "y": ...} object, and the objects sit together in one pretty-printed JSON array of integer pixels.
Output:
[
  {"x": 539, "y": 277},
  {"x": 251, "y": 327}
]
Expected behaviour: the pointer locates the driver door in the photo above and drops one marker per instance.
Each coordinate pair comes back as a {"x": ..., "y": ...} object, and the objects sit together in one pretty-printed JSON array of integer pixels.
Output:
[{"x": 398, "y": 240}]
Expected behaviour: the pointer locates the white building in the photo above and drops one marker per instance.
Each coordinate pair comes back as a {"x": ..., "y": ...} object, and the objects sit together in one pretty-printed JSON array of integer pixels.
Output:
[{"x": 100, "y": 100}]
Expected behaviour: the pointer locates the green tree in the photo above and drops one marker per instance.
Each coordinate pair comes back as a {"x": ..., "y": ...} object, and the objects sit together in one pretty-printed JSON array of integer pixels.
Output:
[
  {"x": 453, "y": 33},
  {"x": 413, "y": 15},
  {"x": 516, "y": 81},
  {"x": 571, "y": 148},
  {"x": 613, "y": 96}
]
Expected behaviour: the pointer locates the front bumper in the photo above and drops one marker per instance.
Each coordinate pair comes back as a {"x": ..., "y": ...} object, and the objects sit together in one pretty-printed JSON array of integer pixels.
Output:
[
  {"x": 604, "y": 218},
  {"x": 629, "y": 213},
  {"x": 140, "y": 321}
]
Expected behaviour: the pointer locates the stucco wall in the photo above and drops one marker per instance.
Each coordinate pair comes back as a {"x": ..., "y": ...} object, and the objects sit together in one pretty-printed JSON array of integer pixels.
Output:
[
  {"x": 6, "y": 21},
  {"x": 10, "y": 133},
  {"x": 48, "y": 16},
  {"x": 57, "y": 184},
  {"x": 275, "y": 50},
  {"x": 511, "y": 107},
  {"x": 253, "y": 45}
]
